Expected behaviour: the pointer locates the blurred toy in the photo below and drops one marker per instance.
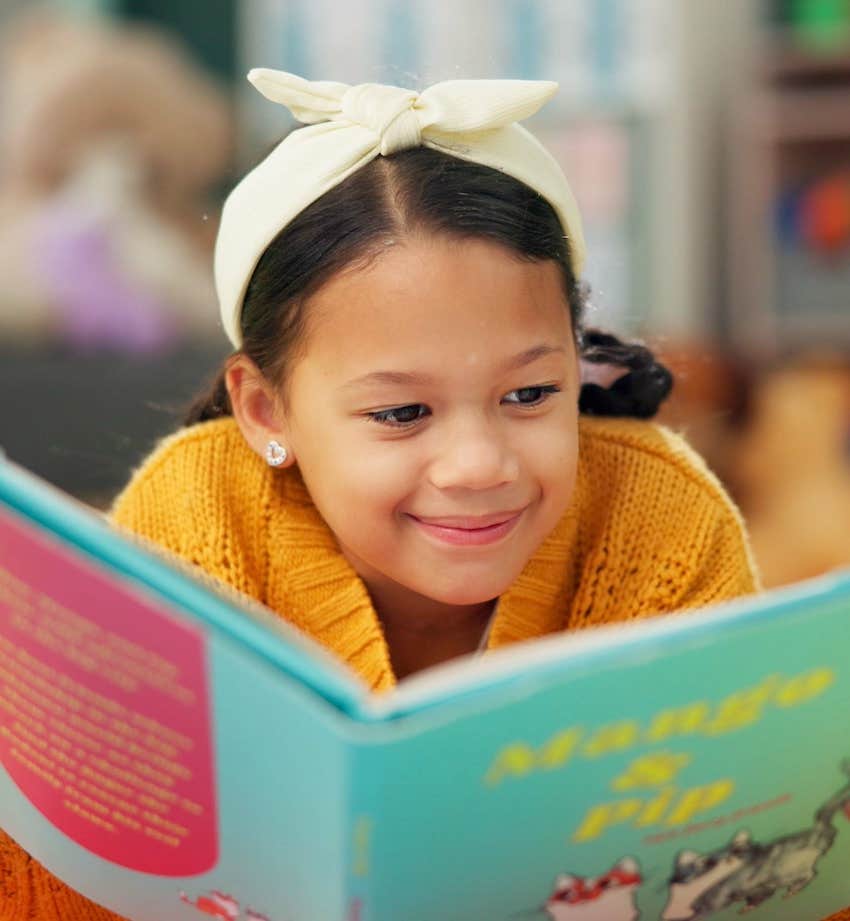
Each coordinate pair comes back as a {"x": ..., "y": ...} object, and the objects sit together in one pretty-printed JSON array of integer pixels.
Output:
[
  {"x": 826, "y": 214},
  {"x": 792, "y": 470},
  {"x": 110, "y": 140},
  {"x": 816, "y": 215}
]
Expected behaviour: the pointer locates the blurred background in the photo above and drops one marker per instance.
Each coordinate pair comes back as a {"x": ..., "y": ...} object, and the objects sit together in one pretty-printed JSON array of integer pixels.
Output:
[{"x": 708, "y": 144}]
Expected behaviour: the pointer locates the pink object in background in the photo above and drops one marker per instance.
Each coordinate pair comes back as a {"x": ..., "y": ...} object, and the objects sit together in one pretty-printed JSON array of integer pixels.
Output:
[{"x": 96, "y": 304}]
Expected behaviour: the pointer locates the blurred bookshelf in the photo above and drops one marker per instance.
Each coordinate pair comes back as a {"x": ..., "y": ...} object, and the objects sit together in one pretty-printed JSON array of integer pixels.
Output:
[
  {"x": 789, "y": 202},
  {"x": 693, "y": 215},
  {"x": 635, "y": 123},
  {"x": 635, "y": 76}
]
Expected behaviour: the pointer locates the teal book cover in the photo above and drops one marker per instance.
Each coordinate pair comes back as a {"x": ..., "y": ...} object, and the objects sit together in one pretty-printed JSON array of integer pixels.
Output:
[{"x": 174, "y": 752}]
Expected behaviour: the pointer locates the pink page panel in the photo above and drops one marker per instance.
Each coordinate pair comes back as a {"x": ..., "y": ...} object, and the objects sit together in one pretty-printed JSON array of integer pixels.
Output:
[{"x": 104, "y": 709}]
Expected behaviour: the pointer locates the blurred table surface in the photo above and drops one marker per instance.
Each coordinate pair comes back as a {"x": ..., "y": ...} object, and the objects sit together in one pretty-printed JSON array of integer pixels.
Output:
[{"x": 82, "y": 421}]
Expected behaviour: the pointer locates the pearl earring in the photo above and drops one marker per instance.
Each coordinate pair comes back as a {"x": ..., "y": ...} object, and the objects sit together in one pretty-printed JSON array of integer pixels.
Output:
[{"x": 275, "y": 454}]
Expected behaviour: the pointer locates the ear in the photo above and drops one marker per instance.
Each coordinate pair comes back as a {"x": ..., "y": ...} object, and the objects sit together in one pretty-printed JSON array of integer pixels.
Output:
[{"x": 257, "y": 407}]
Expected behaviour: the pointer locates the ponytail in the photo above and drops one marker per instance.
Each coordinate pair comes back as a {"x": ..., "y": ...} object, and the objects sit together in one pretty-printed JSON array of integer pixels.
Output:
[
  {"x": 638, "y": 393},
  {"x": 211, "y": 403}
]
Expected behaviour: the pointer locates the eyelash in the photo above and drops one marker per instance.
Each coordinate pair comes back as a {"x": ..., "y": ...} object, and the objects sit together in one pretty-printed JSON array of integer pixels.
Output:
[{"x": 382, "y": 417}]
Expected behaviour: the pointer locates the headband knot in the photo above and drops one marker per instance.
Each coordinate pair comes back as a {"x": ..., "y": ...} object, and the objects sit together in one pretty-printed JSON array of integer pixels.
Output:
[
  {"x": 348, "y": 127},
  {"x": 388, "y": 111}
]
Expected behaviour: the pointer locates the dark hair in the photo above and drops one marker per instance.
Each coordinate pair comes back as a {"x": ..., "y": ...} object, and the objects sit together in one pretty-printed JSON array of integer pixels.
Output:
[{"x": 420, "y": 190}]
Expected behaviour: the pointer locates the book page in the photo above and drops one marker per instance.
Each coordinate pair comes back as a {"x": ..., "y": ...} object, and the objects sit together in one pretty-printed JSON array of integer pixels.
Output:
[
  {"x": 104, "y": 712},
  {"x": 536, "y": 660}
]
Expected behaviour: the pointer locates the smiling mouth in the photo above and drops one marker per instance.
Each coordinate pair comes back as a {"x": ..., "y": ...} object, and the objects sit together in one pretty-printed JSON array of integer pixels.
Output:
[{"x": 467, "y": 531}]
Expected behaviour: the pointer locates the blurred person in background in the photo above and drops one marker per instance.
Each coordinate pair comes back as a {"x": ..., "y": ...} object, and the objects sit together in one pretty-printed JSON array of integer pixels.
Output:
[{"x": 111, "y": 140}]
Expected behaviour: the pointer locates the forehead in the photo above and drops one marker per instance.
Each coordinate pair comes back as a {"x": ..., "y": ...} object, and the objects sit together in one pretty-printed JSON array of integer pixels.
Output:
[{"x": 437, "y": 300}]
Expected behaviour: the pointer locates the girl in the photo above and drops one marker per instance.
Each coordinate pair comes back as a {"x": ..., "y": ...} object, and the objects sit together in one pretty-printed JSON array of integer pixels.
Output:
[{"x": 393, "y": 458}]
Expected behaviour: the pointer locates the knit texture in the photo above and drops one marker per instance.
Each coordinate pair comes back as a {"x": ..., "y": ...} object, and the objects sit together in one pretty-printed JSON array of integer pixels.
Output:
[{"x": 649, "y": 530}]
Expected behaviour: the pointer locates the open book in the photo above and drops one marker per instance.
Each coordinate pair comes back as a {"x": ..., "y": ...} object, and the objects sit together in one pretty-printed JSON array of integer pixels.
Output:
[{"x": 173, "y": 751}]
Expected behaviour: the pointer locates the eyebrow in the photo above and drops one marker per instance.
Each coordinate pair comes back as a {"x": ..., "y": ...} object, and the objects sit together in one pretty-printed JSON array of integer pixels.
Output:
[{"x": 413, "y": 378}]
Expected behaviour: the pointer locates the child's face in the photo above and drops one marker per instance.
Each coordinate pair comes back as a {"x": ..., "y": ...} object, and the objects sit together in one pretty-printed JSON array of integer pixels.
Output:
[{"x": 433, "y": 415}]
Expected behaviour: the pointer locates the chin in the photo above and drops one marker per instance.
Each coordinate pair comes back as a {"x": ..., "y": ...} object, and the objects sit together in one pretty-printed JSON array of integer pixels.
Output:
[{"x": 468, "y": 594}]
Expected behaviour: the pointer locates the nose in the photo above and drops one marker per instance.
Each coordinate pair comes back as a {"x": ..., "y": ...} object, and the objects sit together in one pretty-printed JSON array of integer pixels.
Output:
[{"x": 473, "y": 455}]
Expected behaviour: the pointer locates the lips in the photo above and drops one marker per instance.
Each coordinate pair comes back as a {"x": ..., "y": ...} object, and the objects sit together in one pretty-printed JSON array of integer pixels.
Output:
[
  {"x": 467, "y": 531},
  {"x": 468, "y": 523}
]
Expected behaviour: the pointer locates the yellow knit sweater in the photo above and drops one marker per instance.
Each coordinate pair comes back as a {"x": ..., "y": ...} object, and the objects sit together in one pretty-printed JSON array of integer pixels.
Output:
[{"x": 649, "y": 530}]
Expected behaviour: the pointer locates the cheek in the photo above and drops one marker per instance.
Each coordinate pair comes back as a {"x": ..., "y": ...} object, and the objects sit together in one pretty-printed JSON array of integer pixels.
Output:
[
  {"x": 552, "y": 455},
  {"x": 552, "y": 462},
  {"x": 376, "y": 491},
  {"x": 358, "y": 488}
]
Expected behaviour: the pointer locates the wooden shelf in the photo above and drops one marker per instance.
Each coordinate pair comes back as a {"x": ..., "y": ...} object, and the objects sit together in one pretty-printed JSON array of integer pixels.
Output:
[
  {"x": 803, "y": 115},
  {"x": 784, "y": 59},
  {"x": 791, "y": 126}
]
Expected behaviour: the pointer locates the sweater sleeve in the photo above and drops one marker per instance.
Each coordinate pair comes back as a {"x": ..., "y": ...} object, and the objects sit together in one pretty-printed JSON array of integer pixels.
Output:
[
  {"x": 724, "y": 568},
  {"x": 184, "y": 500},
  {"x": 656, "y": 531}
]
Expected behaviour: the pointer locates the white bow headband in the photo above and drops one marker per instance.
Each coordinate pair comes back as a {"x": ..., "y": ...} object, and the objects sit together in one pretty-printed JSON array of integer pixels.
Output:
[{"x": 349, "y": 126}]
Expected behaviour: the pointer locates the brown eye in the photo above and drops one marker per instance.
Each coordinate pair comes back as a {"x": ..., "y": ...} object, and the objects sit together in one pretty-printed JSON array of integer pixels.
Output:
[
  {"x": 531, "y": 396},
  {"x": 400, "y": 416}
]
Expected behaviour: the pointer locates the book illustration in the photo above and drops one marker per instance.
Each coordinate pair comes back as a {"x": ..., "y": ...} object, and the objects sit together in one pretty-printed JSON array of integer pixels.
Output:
[
  {"x": 609, "y": 897},
  {"x": 749, "y": 872},
  {"x": 695, "y": 874},
  {"x": 218, "y": 905}
]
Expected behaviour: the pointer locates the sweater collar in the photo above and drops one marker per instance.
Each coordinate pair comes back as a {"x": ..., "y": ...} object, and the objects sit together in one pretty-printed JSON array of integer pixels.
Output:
[
  {"x": 315, "y": 587},
  {"x": 318, "y": 590}
]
